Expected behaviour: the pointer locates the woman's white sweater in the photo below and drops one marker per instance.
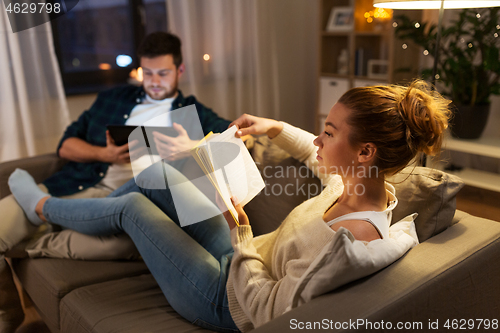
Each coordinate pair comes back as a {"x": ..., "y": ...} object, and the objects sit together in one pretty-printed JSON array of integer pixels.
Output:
[{"x": 265, "y": 269}]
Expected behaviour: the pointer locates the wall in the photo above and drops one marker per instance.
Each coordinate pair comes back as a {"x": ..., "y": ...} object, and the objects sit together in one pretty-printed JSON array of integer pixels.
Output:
[{"x": 79, "y": 103}]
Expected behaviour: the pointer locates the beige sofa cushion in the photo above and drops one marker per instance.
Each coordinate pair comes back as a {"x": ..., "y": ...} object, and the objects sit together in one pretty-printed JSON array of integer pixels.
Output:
[{"x": 430, "y": 193}]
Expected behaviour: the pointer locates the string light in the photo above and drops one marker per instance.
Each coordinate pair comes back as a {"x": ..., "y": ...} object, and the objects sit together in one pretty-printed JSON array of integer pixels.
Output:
[
  {"x": 426, "y": 52},
  {"x": 417, "y": 25},
  {"x": 206, "y": 57},
  {"x": 404, "y": 46},
  {"x": 470, "y": 45},
  {"x": 495, "y": 34},
  {"x": 394, "y": 24},
  {"x": 437, "y": 76},
  {"x": 478, "y": 15}
]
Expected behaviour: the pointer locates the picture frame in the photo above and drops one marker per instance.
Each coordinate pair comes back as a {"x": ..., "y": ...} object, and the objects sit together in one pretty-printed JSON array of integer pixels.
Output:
[
  {"x": 378, "y": 69},
  {"x": 341, "y": 19}
]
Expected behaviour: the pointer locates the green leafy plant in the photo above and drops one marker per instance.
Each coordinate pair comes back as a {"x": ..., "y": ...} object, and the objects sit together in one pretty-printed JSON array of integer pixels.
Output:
[{"x": 469, "y": 64}]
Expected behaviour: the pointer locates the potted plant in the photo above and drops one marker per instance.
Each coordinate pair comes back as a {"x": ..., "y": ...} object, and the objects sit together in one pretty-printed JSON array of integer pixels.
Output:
[{"x": 468, "y": 64}]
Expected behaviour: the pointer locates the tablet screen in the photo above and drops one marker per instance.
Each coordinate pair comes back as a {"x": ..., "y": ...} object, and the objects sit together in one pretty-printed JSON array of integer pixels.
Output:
[{"x": 121, "y": 133}]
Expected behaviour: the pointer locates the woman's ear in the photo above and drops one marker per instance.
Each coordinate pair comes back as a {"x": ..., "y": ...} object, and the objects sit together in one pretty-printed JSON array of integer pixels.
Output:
[{"x": 367, "y": 152}]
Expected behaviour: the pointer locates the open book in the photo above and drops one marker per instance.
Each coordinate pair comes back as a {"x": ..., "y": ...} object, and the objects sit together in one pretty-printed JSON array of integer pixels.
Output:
[{"x": 228, "y": 165}]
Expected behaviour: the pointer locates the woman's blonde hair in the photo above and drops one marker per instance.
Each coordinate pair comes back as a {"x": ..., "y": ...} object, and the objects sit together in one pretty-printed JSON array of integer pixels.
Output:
[{"x": 401, "y": 121}]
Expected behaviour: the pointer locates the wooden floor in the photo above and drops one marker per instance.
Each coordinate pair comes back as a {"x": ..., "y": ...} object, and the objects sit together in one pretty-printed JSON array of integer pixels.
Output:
[
  {"x": 32, "y": 322},
  {"x": 478, "y": 202}
]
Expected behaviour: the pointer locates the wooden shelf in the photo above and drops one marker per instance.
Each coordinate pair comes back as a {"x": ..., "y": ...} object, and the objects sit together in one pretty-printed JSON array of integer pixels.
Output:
[
  {"x": 367, "y": 78},
  {"x": 336, "y": 33},
  {"x": 371, "y": 33},
  {"x": 362, "y": 43},
  {"x": 477, "y": 178},
  {"x": 334, "y": 75},
  {"x": 483, "y": 146}
]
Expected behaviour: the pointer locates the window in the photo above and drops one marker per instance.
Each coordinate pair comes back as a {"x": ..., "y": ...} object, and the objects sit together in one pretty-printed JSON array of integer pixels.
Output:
[{"x": 95, "y": 42}]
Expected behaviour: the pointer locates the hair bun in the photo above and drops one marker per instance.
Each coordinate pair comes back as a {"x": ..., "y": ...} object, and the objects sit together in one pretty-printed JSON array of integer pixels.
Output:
[{"x": 425, "y": 113}]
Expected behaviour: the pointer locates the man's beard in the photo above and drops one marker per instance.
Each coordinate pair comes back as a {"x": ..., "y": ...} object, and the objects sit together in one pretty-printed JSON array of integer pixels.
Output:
[{"x": 168, "y": 93}]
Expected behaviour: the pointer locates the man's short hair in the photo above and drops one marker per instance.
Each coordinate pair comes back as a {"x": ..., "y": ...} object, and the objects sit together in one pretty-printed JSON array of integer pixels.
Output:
[{"x": 161, "y": 43}]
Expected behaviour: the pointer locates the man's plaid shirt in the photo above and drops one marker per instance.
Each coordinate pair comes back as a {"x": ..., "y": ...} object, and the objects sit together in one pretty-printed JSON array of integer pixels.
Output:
[{"x": 112, "y": 107}]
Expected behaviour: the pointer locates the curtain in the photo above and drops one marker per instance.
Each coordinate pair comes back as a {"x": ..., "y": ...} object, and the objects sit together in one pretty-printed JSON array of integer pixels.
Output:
[
  {"x": 263, "y": 56},
  {"x": 33, "y": 110}
]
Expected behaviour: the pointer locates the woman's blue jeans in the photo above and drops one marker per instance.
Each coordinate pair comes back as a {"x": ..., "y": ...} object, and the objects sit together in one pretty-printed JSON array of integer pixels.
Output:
[{"x": 190, "y": 264}]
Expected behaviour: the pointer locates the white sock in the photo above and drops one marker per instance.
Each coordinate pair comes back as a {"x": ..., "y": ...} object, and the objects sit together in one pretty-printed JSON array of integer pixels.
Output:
[{"x": 27, "y": 193}]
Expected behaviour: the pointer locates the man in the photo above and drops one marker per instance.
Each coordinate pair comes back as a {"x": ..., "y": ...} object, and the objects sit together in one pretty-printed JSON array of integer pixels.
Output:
[{"x": 97, "y": 166}]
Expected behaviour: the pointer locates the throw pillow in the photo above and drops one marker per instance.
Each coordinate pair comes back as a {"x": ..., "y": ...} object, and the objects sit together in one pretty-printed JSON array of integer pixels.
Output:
[
  {"x": 430, "y": 193},
  {"x": 345, "y": 259}
]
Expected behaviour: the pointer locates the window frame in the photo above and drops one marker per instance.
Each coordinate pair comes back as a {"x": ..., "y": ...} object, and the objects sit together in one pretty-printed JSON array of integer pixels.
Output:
[{"x": 92, "y": 81}]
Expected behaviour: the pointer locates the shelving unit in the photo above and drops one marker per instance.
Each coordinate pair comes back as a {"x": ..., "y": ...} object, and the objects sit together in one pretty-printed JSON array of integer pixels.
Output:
[
  {"x": 484, "y": 147},
  {"x": 377, "y": 41}
]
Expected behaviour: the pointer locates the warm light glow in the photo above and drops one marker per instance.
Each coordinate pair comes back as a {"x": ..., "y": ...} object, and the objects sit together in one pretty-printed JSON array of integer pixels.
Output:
[
  {"x": 206, "y": 57},
  {"x": 379, "y": 14},
  {"x": 136, "y": 74},
  {"x": 104, "y": 66},
  {"x": 434, "y": 4},
  {"x": 382, "y": 13},
  {"x": 139, "y": 74}
]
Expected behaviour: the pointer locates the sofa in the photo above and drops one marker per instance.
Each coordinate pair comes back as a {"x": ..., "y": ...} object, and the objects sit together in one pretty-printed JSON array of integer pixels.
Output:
[{"x": 452, "y": 276}]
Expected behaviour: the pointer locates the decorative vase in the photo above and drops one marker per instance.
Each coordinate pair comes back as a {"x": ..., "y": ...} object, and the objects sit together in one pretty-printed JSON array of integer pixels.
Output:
[{"x": 469, "y": 121}]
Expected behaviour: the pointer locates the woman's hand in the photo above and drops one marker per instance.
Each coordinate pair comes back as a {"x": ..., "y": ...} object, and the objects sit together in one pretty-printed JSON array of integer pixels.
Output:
[
  {"x": 242, "y": 216},
  {"x": 249, "y": 124}
]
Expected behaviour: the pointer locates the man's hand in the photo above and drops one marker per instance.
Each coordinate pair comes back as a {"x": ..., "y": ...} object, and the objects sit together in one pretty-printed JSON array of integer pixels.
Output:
[
  {"x": 248, "y": 124},
  {"x": 78, "y": 150},
  {"x": 116, "y": 154},
  {"x": 174, "y": 148}
]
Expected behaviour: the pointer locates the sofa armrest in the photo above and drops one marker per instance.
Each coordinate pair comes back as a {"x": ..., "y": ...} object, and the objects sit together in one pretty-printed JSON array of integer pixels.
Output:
[
  {"x": 40, "y": 167},
  {"x": 453, "y": 275}
]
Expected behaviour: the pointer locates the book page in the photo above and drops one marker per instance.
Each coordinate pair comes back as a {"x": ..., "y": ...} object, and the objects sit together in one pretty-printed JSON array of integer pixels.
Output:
[{"x": 237, "y": 168}]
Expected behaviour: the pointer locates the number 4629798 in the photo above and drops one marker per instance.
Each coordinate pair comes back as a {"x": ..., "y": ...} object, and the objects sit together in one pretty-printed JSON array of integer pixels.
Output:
[
  {"x": 27, "y": 8},
  {"x": 471, "y": 324}
]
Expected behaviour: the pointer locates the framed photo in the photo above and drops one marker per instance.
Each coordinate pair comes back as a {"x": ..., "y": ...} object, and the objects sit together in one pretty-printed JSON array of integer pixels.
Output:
[
  {"x": 378, "y": 69},
  {"x": 341, "y": 19}
]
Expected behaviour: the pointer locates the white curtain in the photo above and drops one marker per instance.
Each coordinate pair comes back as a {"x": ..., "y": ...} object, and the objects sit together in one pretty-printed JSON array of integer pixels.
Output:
[
  {"x": 263, "y": 56},
  {"x": 33, "y": 110}
]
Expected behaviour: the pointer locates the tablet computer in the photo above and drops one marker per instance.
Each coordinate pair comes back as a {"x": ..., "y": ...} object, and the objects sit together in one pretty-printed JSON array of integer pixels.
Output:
[{"x": 121, "y": 133}]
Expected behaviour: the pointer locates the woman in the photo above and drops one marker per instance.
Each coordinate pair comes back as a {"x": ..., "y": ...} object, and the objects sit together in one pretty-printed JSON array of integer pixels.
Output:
[{"x": 370, "y": 133}]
